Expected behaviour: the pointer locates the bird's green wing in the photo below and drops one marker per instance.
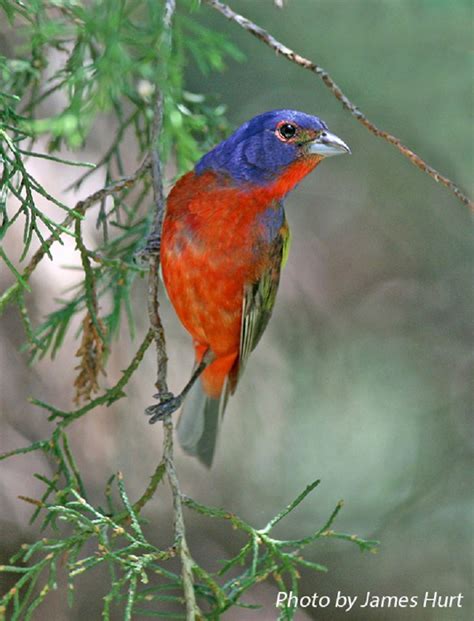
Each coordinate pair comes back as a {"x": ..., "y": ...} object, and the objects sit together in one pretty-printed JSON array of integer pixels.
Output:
[{"x": 259, "y": 299}]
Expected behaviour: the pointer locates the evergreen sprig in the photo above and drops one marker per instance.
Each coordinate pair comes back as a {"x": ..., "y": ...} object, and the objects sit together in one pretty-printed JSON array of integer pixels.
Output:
[{"x": 141, "y": 580}]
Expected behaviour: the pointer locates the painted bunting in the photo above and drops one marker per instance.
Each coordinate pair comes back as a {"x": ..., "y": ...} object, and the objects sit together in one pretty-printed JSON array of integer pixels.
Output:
[{"x": 224, "y": 241}]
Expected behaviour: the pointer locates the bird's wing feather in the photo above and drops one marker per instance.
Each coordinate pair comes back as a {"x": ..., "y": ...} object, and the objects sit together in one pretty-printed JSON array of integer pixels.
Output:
[{"x": 259, "y": 297}]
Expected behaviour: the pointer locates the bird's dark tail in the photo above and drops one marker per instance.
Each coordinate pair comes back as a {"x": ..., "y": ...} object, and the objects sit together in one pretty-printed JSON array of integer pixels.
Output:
[
  {"x": 199, "y": 422},
  {"x": 204, "y": 406}
]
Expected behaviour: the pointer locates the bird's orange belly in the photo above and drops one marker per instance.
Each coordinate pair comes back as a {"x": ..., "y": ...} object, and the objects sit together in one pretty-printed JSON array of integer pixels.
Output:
[{"x": 207, "y": 294}]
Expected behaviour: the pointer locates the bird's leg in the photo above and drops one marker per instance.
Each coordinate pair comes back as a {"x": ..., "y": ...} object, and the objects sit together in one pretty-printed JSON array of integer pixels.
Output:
[{"x": 169, "y": 403}]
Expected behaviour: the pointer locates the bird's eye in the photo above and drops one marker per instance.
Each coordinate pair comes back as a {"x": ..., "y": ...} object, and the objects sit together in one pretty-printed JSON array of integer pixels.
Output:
[{"x": 287, "y": 131}]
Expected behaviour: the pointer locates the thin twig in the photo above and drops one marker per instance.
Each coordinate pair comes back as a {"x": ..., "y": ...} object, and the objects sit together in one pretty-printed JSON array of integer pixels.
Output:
[
  {"x": 76, "y": 212},
  {"x": 151, "y": 488},
  {"x": 293, "y": 57},
  {"x": 153, "y": 251},
  {"x": 110, "y": 396},
  {"x": 187, "y": 562}
]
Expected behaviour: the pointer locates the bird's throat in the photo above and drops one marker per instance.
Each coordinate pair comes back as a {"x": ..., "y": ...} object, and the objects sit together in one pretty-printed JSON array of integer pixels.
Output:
[{"x": 289, "y": 178}]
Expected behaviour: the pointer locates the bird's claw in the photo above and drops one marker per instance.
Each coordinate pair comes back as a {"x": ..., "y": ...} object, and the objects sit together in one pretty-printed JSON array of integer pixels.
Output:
[{"x": 167, "y": 405}]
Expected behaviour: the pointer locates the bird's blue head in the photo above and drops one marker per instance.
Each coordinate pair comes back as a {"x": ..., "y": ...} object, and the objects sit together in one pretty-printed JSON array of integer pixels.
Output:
[{"x": 262, "y": 148}]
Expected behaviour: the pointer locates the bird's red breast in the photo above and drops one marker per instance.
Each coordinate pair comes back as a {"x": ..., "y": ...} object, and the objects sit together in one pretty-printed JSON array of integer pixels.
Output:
[{"x": 213, "y": 245}]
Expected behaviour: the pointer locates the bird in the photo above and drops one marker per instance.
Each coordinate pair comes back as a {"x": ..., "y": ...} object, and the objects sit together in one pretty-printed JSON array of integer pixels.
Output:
[{"x": 224, "y": 241}]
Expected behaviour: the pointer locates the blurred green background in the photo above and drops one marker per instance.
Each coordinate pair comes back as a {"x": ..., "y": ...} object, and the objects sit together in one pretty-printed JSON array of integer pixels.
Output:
[{"x": 363, "y": 376}]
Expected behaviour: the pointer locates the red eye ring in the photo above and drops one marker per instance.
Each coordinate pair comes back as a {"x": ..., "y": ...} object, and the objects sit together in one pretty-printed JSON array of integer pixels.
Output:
[{"x": 286, "y": 130}]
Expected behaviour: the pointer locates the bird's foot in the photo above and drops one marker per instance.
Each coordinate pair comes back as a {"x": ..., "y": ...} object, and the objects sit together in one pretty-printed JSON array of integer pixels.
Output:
[{"x": 167, "y": 405}]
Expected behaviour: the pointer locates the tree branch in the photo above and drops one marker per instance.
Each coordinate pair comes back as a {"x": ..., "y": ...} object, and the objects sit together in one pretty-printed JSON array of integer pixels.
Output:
[
  {"x": 293, "y": 57},
  {"x": 153, "y": 250}
]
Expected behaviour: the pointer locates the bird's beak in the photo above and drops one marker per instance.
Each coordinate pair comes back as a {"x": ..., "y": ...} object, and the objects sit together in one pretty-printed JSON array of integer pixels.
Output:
[{"x": 327, "y": 144}]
